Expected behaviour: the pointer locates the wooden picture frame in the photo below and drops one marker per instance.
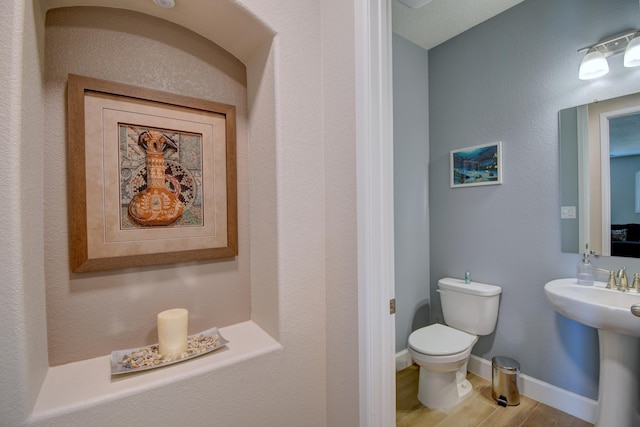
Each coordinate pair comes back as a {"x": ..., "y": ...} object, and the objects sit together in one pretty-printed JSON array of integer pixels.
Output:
[
  {"x": 477, "y": 165},
  {"x": 152, "y": 177}
]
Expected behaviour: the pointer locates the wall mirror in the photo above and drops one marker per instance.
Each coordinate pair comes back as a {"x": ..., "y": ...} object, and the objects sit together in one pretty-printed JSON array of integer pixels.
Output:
[{"x": 600, "y": 177}]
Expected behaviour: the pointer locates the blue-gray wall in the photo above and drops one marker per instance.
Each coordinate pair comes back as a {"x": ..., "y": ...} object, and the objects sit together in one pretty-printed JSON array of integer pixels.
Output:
[
  {"x": 411, "y": 187},
  {"x": 505, "y": 80}
]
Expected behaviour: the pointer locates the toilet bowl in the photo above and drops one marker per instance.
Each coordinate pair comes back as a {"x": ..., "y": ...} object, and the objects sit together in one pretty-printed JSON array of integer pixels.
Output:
[{"x": 443, "y": 351}]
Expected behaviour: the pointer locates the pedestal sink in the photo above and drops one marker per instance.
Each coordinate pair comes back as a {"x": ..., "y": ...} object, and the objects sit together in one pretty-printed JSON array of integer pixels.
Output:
[{"x": 609, "y": 311}]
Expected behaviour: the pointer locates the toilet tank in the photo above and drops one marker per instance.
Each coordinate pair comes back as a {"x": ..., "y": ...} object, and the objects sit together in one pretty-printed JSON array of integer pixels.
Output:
[{"x": 470, "y": 307}]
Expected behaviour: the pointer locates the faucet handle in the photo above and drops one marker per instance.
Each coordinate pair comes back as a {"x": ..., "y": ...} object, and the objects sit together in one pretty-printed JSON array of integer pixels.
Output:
[
  {"x": 611, "y": 284},
  {"x": 636, "y": 282}
]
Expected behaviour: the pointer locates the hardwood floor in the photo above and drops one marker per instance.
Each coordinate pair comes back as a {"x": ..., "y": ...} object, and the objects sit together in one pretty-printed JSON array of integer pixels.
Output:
[{"x": 478, "y": 410}]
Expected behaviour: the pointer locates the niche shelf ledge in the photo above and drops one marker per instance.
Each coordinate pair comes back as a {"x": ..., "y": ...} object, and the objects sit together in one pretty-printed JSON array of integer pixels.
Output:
[{"x": 77, "y": 385}]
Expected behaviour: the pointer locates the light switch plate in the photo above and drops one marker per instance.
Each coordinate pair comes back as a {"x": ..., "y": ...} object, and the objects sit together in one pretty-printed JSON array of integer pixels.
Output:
[{"x": 568, "y": 212}]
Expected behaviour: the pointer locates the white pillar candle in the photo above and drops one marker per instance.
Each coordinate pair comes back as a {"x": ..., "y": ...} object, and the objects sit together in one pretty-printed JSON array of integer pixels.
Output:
[{"x": 172, "y": 332}]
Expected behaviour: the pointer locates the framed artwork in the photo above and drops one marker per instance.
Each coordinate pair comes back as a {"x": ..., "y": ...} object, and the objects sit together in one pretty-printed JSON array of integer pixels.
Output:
[
  {"x": 477, "y": 165},
  {"x": 152, "y": 177}
]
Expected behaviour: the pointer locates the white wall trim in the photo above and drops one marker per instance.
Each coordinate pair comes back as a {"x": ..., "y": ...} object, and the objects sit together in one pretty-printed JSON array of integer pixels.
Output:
[
  {"x": 403, "y": 360},
  {"x": 563, "y": 400},
  {"x": 374, "y": 152}
]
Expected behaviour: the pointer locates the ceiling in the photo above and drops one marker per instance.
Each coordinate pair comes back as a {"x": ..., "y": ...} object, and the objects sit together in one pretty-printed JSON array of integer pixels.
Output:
[{"x": 441, "y": 20}]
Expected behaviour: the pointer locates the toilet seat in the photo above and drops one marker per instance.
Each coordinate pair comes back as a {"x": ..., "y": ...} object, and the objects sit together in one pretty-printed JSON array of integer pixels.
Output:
[{"x": 440, "y": 340}]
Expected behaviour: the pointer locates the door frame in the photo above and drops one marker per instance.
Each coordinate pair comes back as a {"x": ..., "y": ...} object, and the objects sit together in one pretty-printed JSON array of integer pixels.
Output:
[{"x": 374, "y": 147}]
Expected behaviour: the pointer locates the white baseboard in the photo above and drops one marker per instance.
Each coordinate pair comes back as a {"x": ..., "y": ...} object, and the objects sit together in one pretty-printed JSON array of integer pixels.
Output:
[
  {"x": 403, "y": 360},
  {"x": 563, "y": 400}
]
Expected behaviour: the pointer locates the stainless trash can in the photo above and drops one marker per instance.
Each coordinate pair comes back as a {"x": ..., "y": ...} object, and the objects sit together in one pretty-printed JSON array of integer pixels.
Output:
[{"x": 504, "y": 381}]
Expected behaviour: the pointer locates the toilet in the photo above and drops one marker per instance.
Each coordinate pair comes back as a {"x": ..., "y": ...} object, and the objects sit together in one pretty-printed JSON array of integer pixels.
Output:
[{"x": 443, "y": 351}]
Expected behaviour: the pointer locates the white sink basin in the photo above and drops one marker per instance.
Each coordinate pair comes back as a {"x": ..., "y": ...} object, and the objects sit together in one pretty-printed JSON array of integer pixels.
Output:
[
  {"x": 595, "y": 306},
  {"x": 608, "y": 310}
]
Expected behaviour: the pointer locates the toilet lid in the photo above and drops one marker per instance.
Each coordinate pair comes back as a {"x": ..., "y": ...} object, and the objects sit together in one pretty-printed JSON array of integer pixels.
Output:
[{"x": 440, "y": 340}]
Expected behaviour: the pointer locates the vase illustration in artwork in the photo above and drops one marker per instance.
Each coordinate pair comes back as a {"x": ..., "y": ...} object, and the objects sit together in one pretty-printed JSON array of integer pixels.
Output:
[{"x": 155, "y": 205}]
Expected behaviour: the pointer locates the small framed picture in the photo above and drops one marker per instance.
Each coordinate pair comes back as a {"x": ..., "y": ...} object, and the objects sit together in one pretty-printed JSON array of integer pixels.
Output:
[{"x": 477, "y": 165}]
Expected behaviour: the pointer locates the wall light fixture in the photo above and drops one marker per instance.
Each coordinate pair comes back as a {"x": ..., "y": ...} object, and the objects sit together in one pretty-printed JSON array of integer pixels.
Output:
[{"x": 594, "y": 64}]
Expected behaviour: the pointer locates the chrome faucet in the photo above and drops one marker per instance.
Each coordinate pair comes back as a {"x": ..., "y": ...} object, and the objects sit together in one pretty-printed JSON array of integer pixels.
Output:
[
  {"x": 624, "y": 282},
  {"x": 623, "y": 285}
]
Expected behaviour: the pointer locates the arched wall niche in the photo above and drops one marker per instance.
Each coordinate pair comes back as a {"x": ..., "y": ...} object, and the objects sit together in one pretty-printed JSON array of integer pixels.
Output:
[
  {"x": 250, "y": 41},
  {"x": 224, "y": 22},
  {"x": 293, "y": 275}
]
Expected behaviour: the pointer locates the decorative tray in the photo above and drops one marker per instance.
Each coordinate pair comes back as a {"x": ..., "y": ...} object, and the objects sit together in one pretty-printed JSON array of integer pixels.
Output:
[{"x": 148, "y": 357}]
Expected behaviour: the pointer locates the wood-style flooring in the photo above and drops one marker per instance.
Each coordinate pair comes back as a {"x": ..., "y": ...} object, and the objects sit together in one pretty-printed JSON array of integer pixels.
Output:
[{"x": 478, "y": 410}]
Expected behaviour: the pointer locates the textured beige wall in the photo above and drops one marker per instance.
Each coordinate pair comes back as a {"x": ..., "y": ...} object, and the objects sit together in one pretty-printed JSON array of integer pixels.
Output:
[
  {"x": 90, "y": 314},
  {"x": 22, "y": 306},
  {"x": 301, "y": 147},
  {"x": 341, "y": 214}
]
